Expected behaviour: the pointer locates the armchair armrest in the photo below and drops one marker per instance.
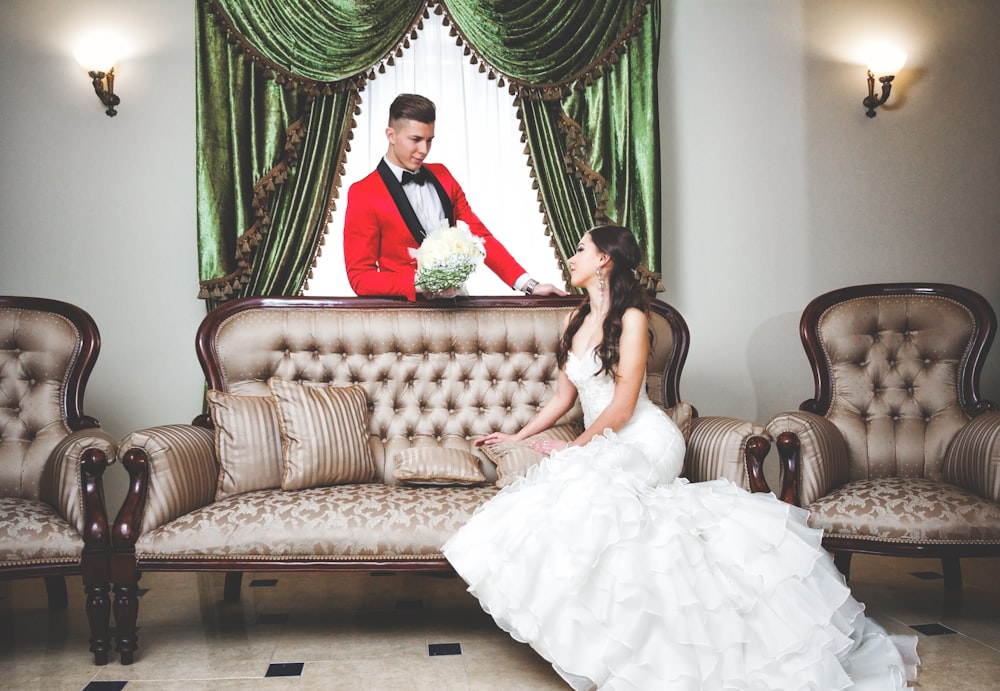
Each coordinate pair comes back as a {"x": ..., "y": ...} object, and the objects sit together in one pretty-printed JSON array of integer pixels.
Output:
[
  {"x": 812, "y": 453},
  {"x": 72, "y": 479},
  {"x": 727, "y": 447},
  {"x": 973, "y": 457},
  {"x": 172, "y": 471}
]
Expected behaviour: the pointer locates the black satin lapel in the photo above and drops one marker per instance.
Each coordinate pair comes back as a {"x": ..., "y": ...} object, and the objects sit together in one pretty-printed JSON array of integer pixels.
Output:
[
  {"x": 449, "y": 208},
  {"x": 402, "y": 203}
]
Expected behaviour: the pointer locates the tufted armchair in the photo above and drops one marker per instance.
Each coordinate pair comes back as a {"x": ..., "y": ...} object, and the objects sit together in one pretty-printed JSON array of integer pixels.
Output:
[
  {"x": 896, "y": 454},
  {"x": 53, "y": 521}
]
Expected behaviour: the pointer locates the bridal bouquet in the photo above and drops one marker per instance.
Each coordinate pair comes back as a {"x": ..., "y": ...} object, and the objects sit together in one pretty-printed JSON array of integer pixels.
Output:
[{"x": 446, "y": 258}]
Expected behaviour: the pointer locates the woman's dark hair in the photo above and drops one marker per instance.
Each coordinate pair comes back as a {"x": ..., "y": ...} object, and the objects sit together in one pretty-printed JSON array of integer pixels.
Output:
[{"x": 623, "y": 288}]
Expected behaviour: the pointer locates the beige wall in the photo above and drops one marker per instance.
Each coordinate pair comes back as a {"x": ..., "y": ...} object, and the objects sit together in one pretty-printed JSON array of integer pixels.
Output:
[{"x": 776, "y": 186}]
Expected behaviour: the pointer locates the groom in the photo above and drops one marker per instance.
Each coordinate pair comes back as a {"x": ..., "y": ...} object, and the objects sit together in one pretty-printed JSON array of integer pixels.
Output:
[{"x": 393, "y": 208}]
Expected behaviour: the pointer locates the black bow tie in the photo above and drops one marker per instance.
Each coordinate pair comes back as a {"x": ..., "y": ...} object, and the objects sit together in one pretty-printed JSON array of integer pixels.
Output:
[{"x": 418, "y": 178}]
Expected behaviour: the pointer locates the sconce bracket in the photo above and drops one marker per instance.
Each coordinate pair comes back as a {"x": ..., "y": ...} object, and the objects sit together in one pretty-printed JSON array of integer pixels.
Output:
[
  {"x": 871, "y": 101},
  {"x": 104, "y": 87}
]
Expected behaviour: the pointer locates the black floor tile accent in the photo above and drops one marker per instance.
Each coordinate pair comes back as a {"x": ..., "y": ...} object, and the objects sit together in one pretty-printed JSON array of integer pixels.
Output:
[
  {"x": 105, "y": 686},
  {"x": 263, "y": 582},
  {"x": 926, "y": 575},
  {"x": 285, "y": 669},
  {"x": 435, "y": 649},
  {"x": 932, "y": 629},
  {"x": 281, "y": 618}
]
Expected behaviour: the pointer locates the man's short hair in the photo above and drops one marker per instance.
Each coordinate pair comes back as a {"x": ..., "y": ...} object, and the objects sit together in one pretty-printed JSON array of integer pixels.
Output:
[{"x": 412, "y": 107}]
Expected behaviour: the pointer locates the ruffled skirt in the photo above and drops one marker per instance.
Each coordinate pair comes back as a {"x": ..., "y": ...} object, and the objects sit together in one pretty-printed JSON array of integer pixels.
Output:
[{"x": 681, "y": 586}]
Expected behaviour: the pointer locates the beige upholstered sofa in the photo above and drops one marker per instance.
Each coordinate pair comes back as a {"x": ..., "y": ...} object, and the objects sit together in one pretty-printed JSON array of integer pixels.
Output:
[
  {"x": 53, "y": 521},
  {"x": 340, "y": 431}
]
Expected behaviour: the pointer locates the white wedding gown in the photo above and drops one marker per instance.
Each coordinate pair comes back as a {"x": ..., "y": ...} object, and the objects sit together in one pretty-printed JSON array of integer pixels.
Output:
[{"x": 624, "y": 576}]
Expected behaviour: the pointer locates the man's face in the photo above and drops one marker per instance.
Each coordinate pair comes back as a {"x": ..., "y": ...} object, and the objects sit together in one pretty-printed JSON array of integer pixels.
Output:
[{"x": 409, "y": 143}]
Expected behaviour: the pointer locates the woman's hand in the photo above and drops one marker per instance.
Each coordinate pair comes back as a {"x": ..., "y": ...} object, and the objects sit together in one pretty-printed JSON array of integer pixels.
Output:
[
  {"x": 549, "y": 446},
  {"x": 494, "y": 438}
]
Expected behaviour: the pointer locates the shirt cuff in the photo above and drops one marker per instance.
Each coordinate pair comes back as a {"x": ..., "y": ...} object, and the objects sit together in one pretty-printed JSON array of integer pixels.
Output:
[{"x": 522, "y": 281}]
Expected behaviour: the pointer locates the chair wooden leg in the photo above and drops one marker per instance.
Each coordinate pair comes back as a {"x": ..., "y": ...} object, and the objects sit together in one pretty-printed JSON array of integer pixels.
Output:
[
  {"x": 842, "y": 560},
  {"x": 234, "y": 582},
  {"x": 952, "y": 573},
  {"x": 55, "y": 589},
  {"x": 125, "y": 575}
]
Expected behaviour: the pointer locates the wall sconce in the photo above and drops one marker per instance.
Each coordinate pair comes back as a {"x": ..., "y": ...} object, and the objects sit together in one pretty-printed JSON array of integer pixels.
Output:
[
  {"x": 104, "y": 87},
  {"x": 884, "y": 63},
  {"x": 97, "y": 54}
]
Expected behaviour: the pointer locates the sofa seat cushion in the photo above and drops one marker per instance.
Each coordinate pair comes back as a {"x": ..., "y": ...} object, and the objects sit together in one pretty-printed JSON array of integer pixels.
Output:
[
  {"x": 32, "y": 532},
  {"x": 906, "y": 509},
  {"x": 357, "y": 521}
]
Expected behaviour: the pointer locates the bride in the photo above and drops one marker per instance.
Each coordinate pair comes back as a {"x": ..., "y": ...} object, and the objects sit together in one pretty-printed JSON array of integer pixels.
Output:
[{"x": 624, "y": 575}]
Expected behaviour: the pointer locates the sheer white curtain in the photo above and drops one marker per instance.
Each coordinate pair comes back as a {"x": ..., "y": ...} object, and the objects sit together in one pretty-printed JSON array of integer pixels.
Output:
[{"x": 476, "y": 136}]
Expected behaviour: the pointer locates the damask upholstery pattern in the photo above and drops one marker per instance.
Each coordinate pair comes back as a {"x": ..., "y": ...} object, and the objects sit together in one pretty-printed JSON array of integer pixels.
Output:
[
  {"x": 907, "y": 509},
  {"x": 325, "y": 523},
  {"x": 34, "y": 533}
]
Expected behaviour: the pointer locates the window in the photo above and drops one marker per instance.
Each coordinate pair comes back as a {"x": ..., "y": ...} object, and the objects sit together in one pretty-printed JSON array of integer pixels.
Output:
[{"x": 476, "y": 136}]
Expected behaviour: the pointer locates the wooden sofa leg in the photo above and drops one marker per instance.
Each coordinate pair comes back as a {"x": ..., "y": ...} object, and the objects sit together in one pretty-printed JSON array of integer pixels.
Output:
[
  {"x": 234, "y": 583},
  {"x": 99, "y": 616},
  {"x": 842, "y": 560},
  {"x": 55, "y": 590},
  {"x": 952, "y": 573},
  {"x": 126, "y": 614}
]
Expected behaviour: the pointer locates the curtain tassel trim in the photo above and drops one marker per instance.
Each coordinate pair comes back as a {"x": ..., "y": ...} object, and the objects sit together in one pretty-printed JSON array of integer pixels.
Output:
[
  {"x": 575, "y": 166},
  {"x": 229, "y": 286}
]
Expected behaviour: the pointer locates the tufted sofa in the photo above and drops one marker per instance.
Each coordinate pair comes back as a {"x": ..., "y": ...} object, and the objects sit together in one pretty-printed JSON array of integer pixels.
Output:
[
  {"x": 53, "y": 521},
  {"x": 432, "y": 377}
]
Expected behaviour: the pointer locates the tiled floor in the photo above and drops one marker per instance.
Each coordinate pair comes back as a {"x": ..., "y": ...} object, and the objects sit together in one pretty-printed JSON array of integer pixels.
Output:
[{"x": 411, "y": 631}]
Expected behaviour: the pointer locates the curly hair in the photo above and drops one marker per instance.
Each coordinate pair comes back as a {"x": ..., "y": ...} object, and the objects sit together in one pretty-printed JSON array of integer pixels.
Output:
[{"x": 624, "y": 289}]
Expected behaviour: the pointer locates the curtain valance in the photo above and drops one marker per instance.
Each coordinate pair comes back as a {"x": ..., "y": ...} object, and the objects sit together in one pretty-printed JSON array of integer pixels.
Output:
[{"x": 538, "y": 45}]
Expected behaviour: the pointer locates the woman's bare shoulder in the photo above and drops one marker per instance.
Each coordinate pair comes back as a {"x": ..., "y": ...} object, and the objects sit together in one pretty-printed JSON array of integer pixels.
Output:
[{"x": 634, "y": 318}]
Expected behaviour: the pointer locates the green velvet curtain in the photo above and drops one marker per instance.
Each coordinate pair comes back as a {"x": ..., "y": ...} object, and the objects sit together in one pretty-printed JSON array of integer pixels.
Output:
[{"x": 277, "y": 92}]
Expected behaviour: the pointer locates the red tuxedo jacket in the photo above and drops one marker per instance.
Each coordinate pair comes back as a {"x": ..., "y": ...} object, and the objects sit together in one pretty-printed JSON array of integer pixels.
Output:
[{"x": 377, "y": 240}]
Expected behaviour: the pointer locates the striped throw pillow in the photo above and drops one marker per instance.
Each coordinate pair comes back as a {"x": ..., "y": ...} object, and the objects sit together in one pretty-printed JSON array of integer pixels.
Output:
[{"x": 324, "y": 433}]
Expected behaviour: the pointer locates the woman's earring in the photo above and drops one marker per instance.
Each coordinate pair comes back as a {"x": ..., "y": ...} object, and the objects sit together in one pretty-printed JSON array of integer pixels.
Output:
[{"x": 600, "y": 279}]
